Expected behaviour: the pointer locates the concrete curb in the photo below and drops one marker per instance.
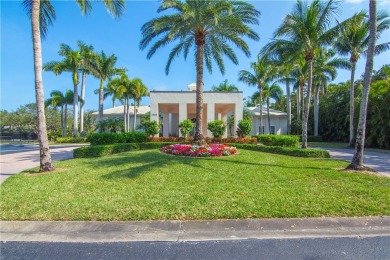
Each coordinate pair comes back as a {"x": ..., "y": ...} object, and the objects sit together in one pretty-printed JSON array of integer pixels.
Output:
[{"x": 178, "y": 231}]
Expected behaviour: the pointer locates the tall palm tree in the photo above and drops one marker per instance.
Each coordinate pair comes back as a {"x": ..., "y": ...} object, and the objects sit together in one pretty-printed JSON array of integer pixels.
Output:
[
  {"x": 42, "y": 15},
  {"x": 305, "y": 30},
  {"x": 71, "y": 63},
  {"x": 357, "y": 160},
  {"x": 271, "y": 91},
  {"x": 208, "y": 26},
  {"x": 86, "y": 52},
  {"x": 263, "y": 73},
  {"x": 353, "y": 41},
  {"x": 224, "y": 86},
  {"x": 138, "y": 90},
  {"x": 103, "y": 68}
]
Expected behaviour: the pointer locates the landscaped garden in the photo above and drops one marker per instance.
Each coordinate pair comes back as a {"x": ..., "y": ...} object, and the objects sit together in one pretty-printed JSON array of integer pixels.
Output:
[{"x": 148, "y": 184}]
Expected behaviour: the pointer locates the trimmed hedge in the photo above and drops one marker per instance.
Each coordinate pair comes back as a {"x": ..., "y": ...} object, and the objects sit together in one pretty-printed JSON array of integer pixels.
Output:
[
  {"x": 63, "y": 140},
  {"x": 279, "y": 140},
  {"x": 102, "y": 150},
  {"x": 246, "y": 140},
  {"x": 297, "y": 152},
  {"x": 117, "y": 138}
]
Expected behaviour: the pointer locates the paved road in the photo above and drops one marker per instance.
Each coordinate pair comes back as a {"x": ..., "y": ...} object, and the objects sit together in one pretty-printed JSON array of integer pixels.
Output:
[
  {"x": 380, "y": 162},
  {"x": 16, "y": 158},
  {"x": 315, "y": 248}
]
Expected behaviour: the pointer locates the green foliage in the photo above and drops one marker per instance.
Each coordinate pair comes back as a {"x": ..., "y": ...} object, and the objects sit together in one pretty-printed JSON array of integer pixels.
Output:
[
  {"x": 103, "y": 150},
  {"x": 185, "y": 127},
  {"x": 290, "y": 151},
  {"x": 112, "y": 124},
  {"x": 63, "y": 140},
  {"x": 53, "y": 135},
  {"x": 279, "y": 140},
  {"x": 152, "y": 127},
  {"x": 313, "y": 138},
  {"x": 113, "y": 138},
  {"x": 217, "y": 128},
  {"x": 244, "y": 127},
  {"x": 224, "y": 86},
  {"x": 296, "y": 126}
]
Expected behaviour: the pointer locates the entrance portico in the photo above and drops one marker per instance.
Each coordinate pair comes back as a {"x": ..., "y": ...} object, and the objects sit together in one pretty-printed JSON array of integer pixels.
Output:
[{"x": 175, "y": 106}]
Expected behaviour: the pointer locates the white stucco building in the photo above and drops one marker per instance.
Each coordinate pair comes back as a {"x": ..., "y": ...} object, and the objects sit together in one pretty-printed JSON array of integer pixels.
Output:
[
  {"x": 278, "y": 121},
  {"x": 117, "y": 113}
]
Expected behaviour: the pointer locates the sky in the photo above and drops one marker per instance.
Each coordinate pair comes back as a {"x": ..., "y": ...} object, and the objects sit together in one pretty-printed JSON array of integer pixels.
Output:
[{"x": 121, "y": 37}]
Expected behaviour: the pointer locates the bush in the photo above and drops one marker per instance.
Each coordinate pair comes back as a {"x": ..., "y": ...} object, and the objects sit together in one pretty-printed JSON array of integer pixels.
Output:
[
  {"x": 244, "y": 127},
  {"x": 114, "y": 138},
  {"x": 102, "y": 150},
  {"x": 208, "y": 140},
  {"x": 185, "y": 127},
  {"x": 152, "y": 128},
  {"x": 290, "y": 151},
  {"x": 217, "y": 128},
  {"x": 279, "y": 140},
  {"x": 312, "y": 138},
  {"x": 63, "y": 140}
]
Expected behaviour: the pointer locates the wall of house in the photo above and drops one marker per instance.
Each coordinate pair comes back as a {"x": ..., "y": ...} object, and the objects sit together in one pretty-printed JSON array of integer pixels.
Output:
[{"x": 280, "y": 123}]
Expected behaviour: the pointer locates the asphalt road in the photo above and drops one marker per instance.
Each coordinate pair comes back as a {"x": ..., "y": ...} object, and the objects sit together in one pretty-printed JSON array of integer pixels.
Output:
[{"x": 315, "y": 248}]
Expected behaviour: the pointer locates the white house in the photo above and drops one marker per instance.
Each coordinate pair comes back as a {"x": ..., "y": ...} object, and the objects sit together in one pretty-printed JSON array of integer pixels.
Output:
[
  {"x": 117, "y": 113},
  {"x": 278, "y": 121}
]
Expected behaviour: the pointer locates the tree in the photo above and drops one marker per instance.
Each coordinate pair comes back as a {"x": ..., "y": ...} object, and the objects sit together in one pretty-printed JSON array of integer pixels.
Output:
[
  {"x": 185, "y": 127},
  {"x": 353, "y": 41},
  {"x": 72, "y": 63},
  {"x": 357, "y": 160},
  {"x": 263, "y": 73},
  {"x": 305, "y": 30},
  {"x": 138, "y": 90},
  {"x": 42, "y": 15},
  {"x": 208, "y": 26},
  {"x": 224, "y": 86},
  {"x": 86, "y": 52},
  {"x": 103, "y": 67}
]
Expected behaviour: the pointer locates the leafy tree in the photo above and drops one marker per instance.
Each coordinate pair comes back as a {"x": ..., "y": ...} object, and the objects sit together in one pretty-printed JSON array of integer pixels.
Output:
[
  {"x": 208, "y": 26},
  {"x": 59, "y": 99},
  {"x": 217, "y": 128},
  {"x": 138, "y": 90},
  {"x": 42, "y": 15},
  {"x": 185, "y": 127},
  {"x": 230, "y": 124},
  {"x": 244, "y": 127},
  {"x": 224, "y": 86},
  {"x": 152, "y": 128}
]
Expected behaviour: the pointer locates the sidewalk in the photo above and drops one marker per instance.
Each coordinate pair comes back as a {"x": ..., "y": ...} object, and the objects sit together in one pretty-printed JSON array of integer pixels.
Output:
[{"x": 178, "y": 231}]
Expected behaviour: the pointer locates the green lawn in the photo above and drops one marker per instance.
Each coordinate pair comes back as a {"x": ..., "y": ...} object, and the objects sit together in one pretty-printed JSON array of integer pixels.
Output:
[{"x": 147, "y": 185}]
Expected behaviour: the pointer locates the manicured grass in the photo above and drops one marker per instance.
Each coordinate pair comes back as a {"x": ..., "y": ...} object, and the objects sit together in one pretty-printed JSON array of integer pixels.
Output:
[
  {"x": 146, "y": 185},
  {"x": 342, "y": 145}
]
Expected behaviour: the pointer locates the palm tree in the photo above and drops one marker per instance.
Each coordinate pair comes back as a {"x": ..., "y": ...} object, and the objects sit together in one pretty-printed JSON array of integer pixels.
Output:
[
  {"x": 138, "y": 90},
  {"x": 353, "y": 41},
  {"x": 271, "y": 91},
  {"x": 357, "y": 160},
  {"x": 86, "y": 52},
  {"x": 103, "y": 67},
  {"x": 224, "y": 86},
  {"x": 306, "y": 29},
  {"x": 208, "y": 26},
  {"x": 263, "y": 73},
  {"x": 42, "y": 15},
  {"x": 72, "y": 63}
]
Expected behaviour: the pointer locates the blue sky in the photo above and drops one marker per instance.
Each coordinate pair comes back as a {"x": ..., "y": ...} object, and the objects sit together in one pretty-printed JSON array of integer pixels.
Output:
[{"x": 121, "y": 37}]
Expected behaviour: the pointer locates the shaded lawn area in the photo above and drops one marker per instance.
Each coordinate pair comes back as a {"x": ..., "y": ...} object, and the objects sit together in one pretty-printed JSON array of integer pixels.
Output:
[{"x": 145, "y": 185}]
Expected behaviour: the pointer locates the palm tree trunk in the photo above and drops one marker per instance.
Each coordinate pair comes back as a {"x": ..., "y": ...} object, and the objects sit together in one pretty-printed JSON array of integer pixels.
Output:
[
  {"x": 101, "y": 99},
  {"x": 128, "y": 115},
  {"x": 124, "y": 114},
  {"x": 307, "y": 103},
  {"x": 66, "y": 119},
  {"x": 45, "y": 156},
  {"x": 83, "y": 78},
  {"x": 268, "y": 117},
  {"x": 288, "y": 107},
  {"x": 62, "y": 121},
  {"x": 302, "y": 101},
  {"x": 316, "y": 108},
  {"x": 198, "y": 137},
  {"x": 75, "y": 110},
  {"x": 261, "y": 109},
  {"x": 352, "y": 106},
  {"x": 298, "y": 103},
  {"x": 135, "y": 116},
  {"x": 357, "y": 160}
]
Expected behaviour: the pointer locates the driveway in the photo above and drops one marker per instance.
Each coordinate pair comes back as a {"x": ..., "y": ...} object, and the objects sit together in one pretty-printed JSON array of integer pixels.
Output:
[
  {"x": 378, "y": 161},
  {"x": 17, "y": 158}
]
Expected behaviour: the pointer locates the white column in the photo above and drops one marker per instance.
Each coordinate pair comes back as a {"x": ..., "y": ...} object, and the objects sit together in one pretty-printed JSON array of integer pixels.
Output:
[
  {"x": 166, "y": 124},
  {"x": 219, "y": 116},
  {"x": 210, "y": 116},
  {"x": 154, "y": 113},
  {"x": 237, "y": 115},
  {"x": 170, "y": 124},
  {"x": 224, "y": 119},
  {"x": 182, "y": 113}
]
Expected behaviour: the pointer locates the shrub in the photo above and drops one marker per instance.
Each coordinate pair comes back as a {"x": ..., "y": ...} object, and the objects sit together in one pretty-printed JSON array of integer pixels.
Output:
[
  {"x": 312, "y": 138},
  {"x": 217, "y": 128},
  {"x": 279, "y": 140},
  {"x": 152, "y": 127},
  {"x": 113, "y": 138},
  {"x": 63, "y": 140},
  {"x": 290, "y": 151},
  {"x": 102, "y": 150},
  {"x": 244, "y": 127},
  {"x": 185, "y": 127}
]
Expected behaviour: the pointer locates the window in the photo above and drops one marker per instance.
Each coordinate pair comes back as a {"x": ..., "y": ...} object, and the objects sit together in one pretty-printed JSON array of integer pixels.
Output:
[{"x": 272, "y": 130}]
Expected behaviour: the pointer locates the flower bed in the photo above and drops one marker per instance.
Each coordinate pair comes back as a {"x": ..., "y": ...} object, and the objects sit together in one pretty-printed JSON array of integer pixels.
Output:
[{"x": 199, "y": 151}]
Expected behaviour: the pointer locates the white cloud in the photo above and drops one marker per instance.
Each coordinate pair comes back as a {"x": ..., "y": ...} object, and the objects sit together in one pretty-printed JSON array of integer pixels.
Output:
[
  {"x": 354, "y": 1},
  {"x": 384, "y": 2}
]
